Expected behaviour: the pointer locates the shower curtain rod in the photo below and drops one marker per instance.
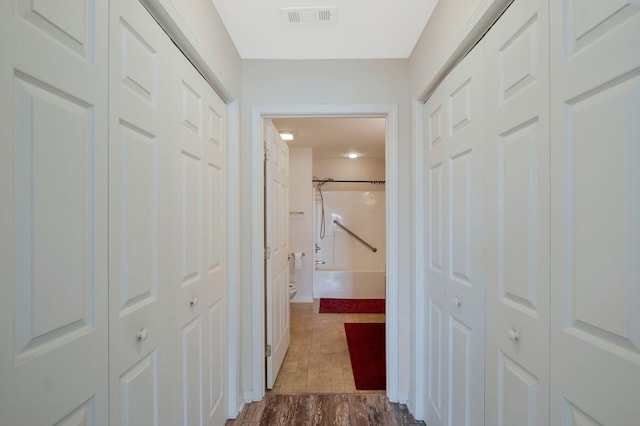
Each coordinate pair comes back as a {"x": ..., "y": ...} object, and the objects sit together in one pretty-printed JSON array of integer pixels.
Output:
[{"x": 375, "y": 182}]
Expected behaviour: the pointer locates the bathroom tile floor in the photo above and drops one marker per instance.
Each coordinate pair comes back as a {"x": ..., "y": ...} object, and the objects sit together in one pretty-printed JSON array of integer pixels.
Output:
[{"x": 318, "y": 357}]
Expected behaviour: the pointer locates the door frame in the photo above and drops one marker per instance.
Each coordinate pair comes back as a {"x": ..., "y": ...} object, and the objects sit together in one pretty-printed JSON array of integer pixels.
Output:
[{"x": 258, "y": 114}]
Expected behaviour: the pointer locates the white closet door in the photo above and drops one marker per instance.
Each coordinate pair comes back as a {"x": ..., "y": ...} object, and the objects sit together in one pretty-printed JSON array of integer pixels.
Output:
[
  {"x": 465, "y": 298},
  {"x": 140, "y": 214},
  {"x": 455, "y": 269},
  {"x": 517, "y": 105},
  {"x": 53, "y": 213},
  {"x": 595, "y": 212},
  {"x": 435, "y": 119},
  {"x": 277, "y": 240},
  {"x": 201, "y": 304}
]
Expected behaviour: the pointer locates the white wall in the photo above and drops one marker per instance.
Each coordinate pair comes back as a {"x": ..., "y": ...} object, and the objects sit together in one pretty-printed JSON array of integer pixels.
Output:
[
  {"x": 197, "y": 29},
  {"x": 304, "y": 82},
  {"x": 453, "y": 28},
  {"x": 301, "y": 226}
]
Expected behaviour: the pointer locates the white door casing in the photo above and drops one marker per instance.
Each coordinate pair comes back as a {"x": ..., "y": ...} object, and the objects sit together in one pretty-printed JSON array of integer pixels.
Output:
[
  {"x": 258, "y": 113},
  {"x": 53, "y": 214},
  {"x": 517, "y": 117},
  {"x": 277, "y": 248},
  {"x": 595, "y": 212},
  {"x": 455, "y": 298}
]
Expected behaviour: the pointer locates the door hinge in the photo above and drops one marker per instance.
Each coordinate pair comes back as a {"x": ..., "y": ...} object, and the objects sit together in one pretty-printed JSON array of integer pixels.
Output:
[
  {"x": 267, "y": 351},
  {"x": 267, "y": 253},
  {"x": 267, "y": 152}
]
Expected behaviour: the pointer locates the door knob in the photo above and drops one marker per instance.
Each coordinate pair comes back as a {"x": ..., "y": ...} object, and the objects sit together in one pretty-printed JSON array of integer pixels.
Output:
[
  {"x": 513, "y": 335},
  {"x": 320, "y": 262},
  {"x": 457, "y": 301},
  {"x": 194, "y": 301},
  {"x": 143, "y": 333}
]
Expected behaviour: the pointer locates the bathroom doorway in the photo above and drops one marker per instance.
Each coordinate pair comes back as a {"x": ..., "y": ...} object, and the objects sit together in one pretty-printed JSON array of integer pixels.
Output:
[
  {"x": 337, "y": 239},
  {"x": 390, "y": 113}
]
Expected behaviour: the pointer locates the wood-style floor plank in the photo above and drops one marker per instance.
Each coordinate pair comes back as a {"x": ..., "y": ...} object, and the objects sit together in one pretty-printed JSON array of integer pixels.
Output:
[
  {"x": 304, "y": 410},
  {"x": 359, "y": 411},
  {"x": 340, "y": 410},
  {"x": 325, "y": 410},
  {"x": 278, "y": 409}
]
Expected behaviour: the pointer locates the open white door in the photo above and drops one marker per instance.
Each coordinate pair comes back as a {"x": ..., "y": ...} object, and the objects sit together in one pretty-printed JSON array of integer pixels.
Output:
[{"x": 277, "y": 249}]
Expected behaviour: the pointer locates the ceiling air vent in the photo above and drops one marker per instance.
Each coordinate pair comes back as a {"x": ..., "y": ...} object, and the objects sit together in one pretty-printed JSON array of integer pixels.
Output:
[{"x": 309, "y": 15}]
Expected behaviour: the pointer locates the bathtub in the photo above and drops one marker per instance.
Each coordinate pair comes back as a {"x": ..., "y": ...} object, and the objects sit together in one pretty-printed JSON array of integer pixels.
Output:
[{"x": 349, "y": 284}]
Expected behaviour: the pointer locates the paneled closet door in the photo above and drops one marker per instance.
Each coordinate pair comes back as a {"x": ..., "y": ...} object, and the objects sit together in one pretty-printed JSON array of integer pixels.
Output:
[
  {"x": 455, "y": 304},
  {"x": 517, "y": 75},
  {"x": 435, "y": 119},
  {"x": 595, "y": 212},
  {"x": 141, "y": 210},
  {"x": 199, "y": 120},
  {"x": 53, "y": 213}
]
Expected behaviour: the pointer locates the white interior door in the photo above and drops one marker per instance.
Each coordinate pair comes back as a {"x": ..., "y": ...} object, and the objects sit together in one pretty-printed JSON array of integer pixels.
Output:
[
  {"x": 53, "y": 214},
  {"x": 595, "y": 212},
  {"x": 277, "y": 243},
  {"x": 201, "y": 301},
  {"x": 141, "y": 209},
  {"x": 517, "y": 75},
  {"x": 455, "y": 299}
]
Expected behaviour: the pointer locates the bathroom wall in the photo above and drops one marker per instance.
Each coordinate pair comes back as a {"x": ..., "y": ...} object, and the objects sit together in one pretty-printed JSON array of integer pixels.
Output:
[
  {"x": 360, "y": 207},
  {"x": 350, "y": 169},
  {"x": 301, "y": 225},
  {"x": 302, "y": 238}
]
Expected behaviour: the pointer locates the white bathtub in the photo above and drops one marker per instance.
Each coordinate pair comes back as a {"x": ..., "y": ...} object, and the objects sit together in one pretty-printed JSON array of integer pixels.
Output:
[{"x": 349, "y": 284}]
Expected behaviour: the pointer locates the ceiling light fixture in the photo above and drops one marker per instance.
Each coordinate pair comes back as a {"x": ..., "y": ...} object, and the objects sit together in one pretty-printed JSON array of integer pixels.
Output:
[
  {"x": 353, "y": 155},
  {"x": 286, "y": 136}
]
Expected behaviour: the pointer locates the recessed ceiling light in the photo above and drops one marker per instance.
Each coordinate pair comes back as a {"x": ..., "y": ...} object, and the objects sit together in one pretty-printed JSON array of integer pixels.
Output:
[
  {"x": 286, "y": 136},
  {"x": 353, "y": 155}
]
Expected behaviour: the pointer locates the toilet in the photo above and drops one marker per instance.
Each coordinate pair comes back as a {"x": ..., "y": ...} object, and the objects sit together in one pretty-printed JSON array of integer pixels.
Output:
[{"x": 293, "y": 289}]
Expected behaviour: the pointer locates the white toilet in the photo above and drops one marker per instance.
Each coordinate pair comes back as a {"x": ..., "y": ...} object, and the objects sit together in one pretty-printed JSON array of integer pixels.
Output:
[{"x": 293, "y": 289}]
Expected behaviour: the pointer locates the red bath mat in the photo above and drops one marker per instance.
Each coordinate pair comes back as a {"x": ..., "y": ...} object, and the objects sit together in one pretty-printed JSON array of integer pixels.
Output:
[
  {"x": 352, "y": 306},
  {"x": 367, "y": 352}
]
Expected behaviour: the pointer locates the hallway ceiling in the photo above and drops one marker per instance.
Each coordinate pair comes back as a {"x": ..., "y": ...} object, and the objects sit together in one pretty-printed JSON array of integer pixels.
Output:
[
  {"x": 324, "y": 29},
  {"x": 335, "y": 137}
]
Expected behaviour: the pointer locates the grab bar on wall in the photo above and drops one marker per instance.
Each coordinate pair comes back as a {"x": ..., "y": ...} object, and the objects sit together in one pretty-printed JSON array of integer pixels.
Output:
[{"x": 373, "y": 249}]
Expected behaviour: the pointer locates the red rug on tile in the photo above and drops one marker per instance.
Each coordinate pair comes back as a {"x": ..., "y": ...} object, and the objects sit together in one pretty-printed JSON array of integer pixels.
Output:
[
  {"x": 367, "y": 352},
  {"x": 352, "y": 306}
]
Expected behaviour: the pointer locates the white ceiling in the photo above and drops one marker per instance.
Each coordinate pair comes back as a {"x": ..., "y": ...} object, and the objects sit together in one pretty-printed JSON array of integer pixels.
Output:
[
  {"x": 336, "y": 137},
  {"x": 361, "y": 28}
]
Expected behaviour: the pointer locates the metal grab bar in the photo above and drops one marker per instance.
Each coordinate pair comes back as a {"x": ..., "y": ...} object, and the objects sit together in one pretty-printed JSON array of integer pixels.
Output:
[{"x": 373, "y": 249}]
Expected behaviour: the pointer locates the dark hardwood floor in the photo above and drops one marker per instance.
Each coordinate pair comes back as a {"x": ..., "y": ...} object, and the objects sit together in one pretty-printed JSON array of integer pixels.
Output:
[{"x": 325, "y": 409}]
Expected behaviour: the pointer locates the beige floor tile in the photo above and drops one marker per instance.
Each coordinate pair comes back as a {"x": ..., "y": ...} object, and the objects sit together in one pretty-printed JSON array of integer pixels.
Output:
[{"x": 318, "y": 357}]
